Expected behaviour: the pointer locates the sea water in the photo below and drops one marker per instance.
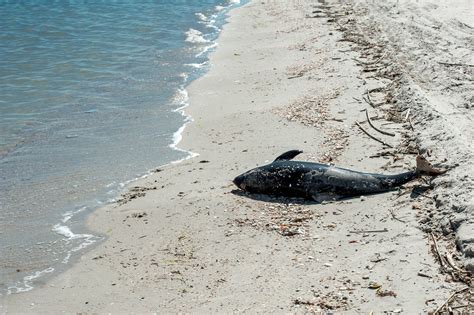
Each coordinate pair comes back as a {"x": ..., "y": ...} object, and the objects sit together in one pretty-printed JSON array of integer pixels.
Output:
[{"x": 91, "y": 97}]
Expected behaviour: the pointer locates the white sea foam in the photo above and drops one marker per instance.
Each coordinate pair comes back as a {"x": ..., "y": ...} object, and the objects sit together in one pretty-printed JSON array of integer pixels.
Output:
[
  {"x": 195, "y": 36},
  {"x": 64, "y": 231},
  {"x": 185, "y": 76},
  {"x": 177, "y": 137},
  {"x": 26, "y": 284},
  {"x": 208, "y": 21},
  {"x": 86, "y": 239},
  {"x": 219, "y": 8},
  {"x": 110, "y": 184},
  {"x": 234, "y": 1},
  {"x": 211, "y": 25},
  {"x": 181, "y": 99},
  {"x": 206, "y": 49},
  {"x": 211, "y": 22},
  {"x": 68, "y": 215},
  {"x": 202, "y": 17},
  {"x": 196, "y": 65}
]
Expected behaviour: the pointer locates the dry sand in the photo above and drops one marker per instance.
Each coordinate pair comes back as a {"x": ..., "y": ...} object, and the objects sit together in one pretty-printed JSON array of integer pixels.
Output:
[{"x": 287, "y": 76}]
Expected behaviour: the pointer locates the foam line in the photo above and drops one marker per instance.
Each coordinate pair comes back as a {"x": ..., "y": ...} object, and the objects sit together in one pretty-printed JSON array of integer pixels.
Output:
[{"x": 195, "y": 36}]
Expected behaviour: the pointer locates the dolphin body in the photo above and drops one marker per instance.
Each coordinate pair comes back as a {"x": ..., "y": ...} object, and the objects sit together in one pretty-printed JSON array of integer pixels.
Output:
[{"x": 316, "y": 181}]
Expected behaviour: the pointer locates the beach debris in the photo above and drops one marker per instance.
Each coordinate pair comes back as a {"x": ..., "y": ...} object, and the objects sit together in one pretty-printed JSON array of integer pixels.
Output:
[
  {"x": 286, "y": 230},
  {"x": 452, "y": 64},
  {"x": 139, "y": 214},
  {"x": 374, "y": 285},
  {"x": 449, "y": 300},
  {"x": 331, "y": 301},
  {"x": 436, "y": 250},
  {"x": 368, "y": 97},
  {"x": 133, "y": 193},
  {"x": 373, "y": 126},
  {"x": 369, "y": 231},
  {"x": 303, "y": 302},
  {"x": 416, "y": 206},
  {"x": 447, "y": 264},
  {"x": 297, "y": 71},
  {"x": 309, "y": 110},
  {"x": 286, "y": 219},
  {"x": 421, "y": 274},
  {"x": 377, "y": 258},
  {"x": 394, "y": 217},
  {"x": 373, "y": 137},
  {"x": 312, "y": 110},
  {"x": 383, "y": 293}
]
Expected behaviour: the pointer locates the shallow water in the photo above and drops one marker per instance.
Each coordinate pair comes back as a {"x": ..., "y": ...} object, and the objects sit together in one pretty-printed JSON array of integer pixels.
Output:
[{"x": 90, "y": 98}]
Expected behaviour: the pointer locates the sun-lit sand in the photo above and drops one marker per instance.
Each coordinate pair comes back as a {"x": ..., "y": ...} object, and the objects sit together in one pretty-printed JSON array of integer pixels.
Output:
[{"x": 286, "y": 76}]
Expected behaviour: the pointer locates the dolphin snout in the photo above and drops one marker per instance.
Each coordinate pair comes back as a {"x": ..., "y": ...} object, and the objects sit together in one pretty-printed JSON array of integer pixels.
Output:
[{"x": 238, "y": 181}]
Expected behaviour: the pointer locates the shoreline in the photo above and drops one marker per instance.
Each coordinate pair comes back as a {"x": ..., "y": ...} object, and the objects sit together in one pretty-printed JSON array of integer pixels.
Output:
[
  {"x": 181, "y": 240},
  {"x": 26, "y": 284}
]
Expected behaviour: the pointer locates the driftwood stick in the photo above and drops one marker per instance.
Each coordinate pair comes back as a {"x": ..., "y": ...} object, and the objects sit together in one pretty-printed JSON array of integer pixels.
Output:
[
  {"x": 411, "y": 124},
  {"x": 408, "y": 114},
  {"x": 372, "y": 125},
  {"x": 449, "y": 259},
  {"x": 316, "y": 16},
  {"x": 456, "y": 64},
  {"x": 299, "y": 75},
  {"x": 395, "y": 218},
  {"x": 448, "y": 300},
  {"x": 376, "y": 139},
  {"x": 370, "y": 99},
  {"x": 369, "y": 231},
  {"x": 423, "y": 195},
  {"x": 460, "y": 306},
  {"x": 377, "y": 89},
  {"x": 440, "y": 258},
  {"x": 368, "y": 63},
  {"x": 381, "y": 154}
]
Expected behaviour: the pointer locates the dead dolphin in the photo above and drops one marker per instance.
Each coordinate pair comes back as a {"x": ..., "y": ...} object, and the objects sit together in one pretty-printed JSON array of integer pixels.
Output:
[{"x": 284, "y": 177}]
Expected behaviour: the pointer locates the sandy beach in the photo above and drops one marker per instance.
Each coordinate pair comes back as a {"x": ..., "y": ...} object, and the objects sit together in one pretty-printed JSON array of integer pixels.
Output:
[{"x": 299, "y": 75}]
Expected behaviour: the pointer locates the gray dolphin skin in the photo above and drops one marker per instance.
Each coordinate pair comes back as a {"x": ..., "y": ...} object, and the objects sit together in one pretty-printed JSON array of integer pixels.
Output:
[{"x": 284, "y": 177}]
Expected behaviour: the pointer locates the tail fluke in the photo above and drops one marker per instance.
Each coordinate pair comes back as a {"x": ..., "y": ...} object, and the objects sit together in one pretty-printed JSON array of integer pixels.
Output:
[{"x": 423, "y": 167}]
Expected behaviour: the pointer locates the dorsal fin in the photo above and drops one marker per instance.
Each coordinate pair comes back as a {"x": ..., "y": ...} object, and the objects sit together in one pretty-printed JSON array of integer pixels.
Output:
[{"x": 288, "y": 155}]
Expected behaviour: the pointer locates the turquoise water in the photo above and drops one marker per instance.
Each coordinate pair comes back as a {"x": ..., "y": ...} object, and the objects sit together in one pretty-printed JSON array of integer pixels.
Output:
[{"x": 90, "y": 98}]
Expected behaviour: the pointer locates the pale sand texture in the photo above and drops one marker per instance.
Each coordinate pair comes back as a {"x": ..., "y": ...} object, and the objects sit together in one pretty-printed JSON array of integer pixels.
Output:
[
  {"x": 432, "y": 45},
  {"x": 191, "y": 245}
]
